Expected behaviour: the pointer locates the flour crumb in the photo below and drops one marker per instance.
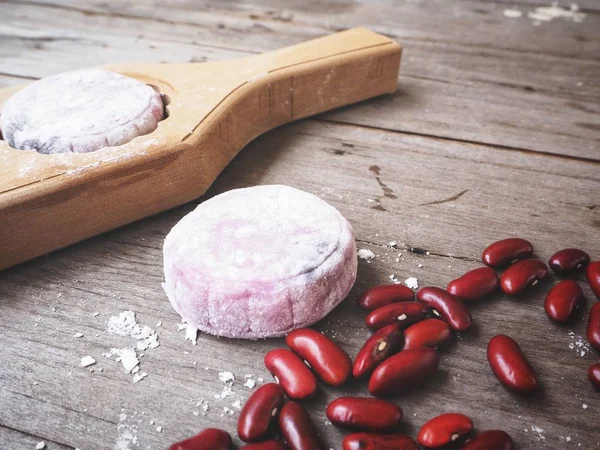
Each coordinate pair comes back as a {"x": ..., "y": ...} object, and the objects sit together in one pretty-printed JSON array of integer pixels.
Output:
[
  {"x": 549, "y": 13},
  {"x": 584, "y": 406},
  {"x": 420, "y": 265},
  {"x": 539, "y": 433},
  {"x": 128, "y": 359},
  {"x": 139, "y": 377},
  {"x": 366, "y": 254},
  {"x": 412, "y": 283},
  {"x": 512, "y": 13},
  {"x": 40, "y": 445},
  {"x": 237, "y": 405},
  {"x": 191, "y": 334},
  {"x": 96, "y": 314},
  {"x": 250, "y": 384},
  {"x": 87, "y": 361},
  {"x": 393, "y": 244},
  {"x": 159, "y": 429},
  {"x": 226, "y": 377},
  {"x": 159, "y": 323},
  {"x": 78, "y": 335},
  {"x": 394, "y": 279}
]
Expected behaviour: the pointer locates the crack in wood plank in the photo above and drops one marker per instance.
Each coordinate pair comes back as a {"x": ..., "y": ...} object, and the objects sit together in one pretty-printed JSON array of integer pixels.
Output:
[
  {"x": 463, "y": 141},
  {"x": 417, "y": 250},
  {"x": 446, "y": 200},
  {"x": 37, "y": 437}
]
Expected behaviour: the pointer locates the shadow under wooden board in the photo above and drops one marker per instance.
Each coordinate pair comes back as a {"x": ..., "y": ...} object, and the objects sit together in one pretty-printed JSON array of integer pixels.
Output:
[{"x": 46, "y": 393}]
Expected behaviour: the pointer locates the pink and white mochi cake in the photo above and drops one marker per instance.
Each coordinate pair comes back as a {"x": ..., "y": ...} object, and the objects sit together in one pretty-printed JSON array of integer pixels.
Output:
[{"x": 259, "y": 262}]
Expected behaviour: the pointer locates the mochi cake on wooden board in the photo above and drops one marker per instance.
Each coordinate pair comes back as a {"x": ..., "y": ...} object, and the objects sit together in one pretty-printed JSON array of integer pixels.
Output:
[{"x": 213, "y": 111}]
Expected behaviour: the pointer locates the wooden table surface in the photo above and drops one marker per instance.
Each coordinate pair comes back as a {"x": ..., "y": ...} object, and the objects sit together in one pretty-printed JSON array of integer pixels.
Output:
[{"x": 493, "y": 132}]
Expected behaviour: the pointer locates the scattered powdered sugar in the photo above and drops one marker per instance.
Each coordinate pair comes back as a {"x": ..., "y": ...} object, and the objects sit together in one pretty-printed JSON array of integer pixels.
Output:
[
  {"x": 366, "y": 254},
  {"x": 412, "y": 283},
  {"x": 227, "y": 377},
  {"x": 125, "y": 324},
  {"x": 579, "y": 344},
  {"x": 538, "y": 433}
]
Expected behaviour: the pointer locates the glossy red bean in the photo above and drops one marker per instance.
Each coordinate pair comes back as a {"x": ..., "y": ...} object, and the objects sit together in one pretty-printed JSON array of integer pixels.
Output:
[
  {"x": 568, "y": 260},
  {"x": 489, "y": 440},
  {"x": 258, "y": 412},
  {"x": 404, "y": 314},
  {"x": 475, "y": 285},
  {"x": 592, "y": 273},
  {"x": 562, "y": 301},
  {"x": 403, "y": 371},
  {"x": 297, "y": 428},
  {"x": 509, "y": 364},
  {"x": 427, "y": 333},
  {"x": 593, "y": 328},
  {"x": 522, "y": 275},
  {"x": 594, "y": 375},
  {"x": 371, "y": 441},
  {"x": 366, "y": 414},
  {"x": 447, "y": 305},
  {"x": 266, "y": 445},
  {"x": 384, "y": 295},
  {"x": 209, "y": 439},
  {"x": 507, "y": 251},
  {"x": 325, "y": 357},
  {"x": 291, "y": 373},
  {"x": 379, "y": 346},
  {"x": 444, "y": 429}
]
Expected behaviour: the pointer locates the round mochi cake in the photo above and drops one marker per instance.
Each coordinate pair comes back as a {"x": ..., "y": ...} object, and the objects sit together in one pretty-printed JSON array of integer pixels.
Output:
[
  {"x": 80, "y": 111},
  {"x": 259, "y": 262}
]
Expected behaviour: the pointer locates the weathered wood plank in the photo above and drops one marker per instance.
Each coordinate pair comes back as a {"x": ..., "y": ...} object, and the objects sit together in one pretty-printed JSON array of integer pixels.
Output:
[
  {"x": 21, "y": 440},
  {"x": 536, "y": 102},
  {"x": 551, "y": 200}
]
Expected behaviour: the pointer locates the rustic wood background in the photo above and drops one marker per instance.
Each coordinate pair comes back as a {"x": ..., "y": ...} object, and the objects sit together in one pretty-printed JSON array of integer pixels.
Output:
[{"x": 494, "y": 132}]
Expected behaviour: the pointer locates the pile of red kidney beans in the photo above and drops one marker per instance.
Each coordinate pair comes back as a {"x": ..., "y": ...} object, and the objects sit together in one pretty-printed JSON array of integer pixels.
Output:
[{"x": 400, "y": 355}]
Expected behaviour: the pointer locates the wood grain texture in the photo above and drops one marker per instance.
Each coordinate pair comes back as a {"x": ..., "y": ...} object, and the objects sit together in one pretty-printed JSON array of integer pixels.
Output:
[
  {"x": 463, "y": 57},
  {"x": 433, "y": 193}
]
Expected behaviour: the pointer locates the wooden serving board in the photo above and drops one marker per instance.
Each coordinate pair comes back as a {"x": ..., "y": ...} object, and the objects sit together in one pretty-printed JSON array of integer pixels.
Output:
[{"x": 214, "y": 110}]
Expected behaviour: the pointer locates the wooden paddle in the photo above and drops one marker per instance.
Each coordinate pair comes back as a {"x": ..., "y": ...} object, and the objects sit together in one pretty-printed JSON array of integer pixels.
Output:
[{"x": 214, "y": 110}]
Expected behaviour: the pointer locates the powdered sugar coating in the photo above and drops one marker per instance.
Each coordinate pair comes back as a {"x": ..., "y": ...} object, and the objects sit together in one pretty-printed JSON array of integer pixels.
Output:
[
  {"x": 259, "y": 262},
  {"x": 80, "y": 111}
]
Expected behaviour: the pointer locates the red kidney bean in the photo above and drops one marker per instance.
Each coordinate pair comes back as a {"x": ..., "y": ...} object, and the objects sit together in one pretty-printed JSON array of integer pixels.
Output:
[
  {"x": 384, "y": 295},
  {"x": 593, "y": 328},
  {"x": 405, "y": 314},
  {"x": 507, "y": 251},
  {"x": 428, "y": 333},
  {"x": 594, "y": 375},
  {"x": 297, "y": 428},
  {"x": 592, "y": 273},
  {"x": 258, "y": 412},
  {"x": 403, "y": 371},
  {"x": 475, "y": 284},
  {"x": 209, "y": 439},
  {"x": 509, "y": 365},
  {"x": 325, "y": 357},
  {"x": 378, "y": 347},
  {"x": 447, "y": 305},
  {"x": 266, "y": 445},
  {"x": 568, "y": 260},
  {"x": 521, "y": 275},
  {"x": 489, "y": 440},
  {"x": 562, "y": 300},
  {"x": 444, "y": 429},
  {"x": 367, "y": 414},
  {"x": 371, "y": 441},
  {"x": 295, "y": 378}
]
